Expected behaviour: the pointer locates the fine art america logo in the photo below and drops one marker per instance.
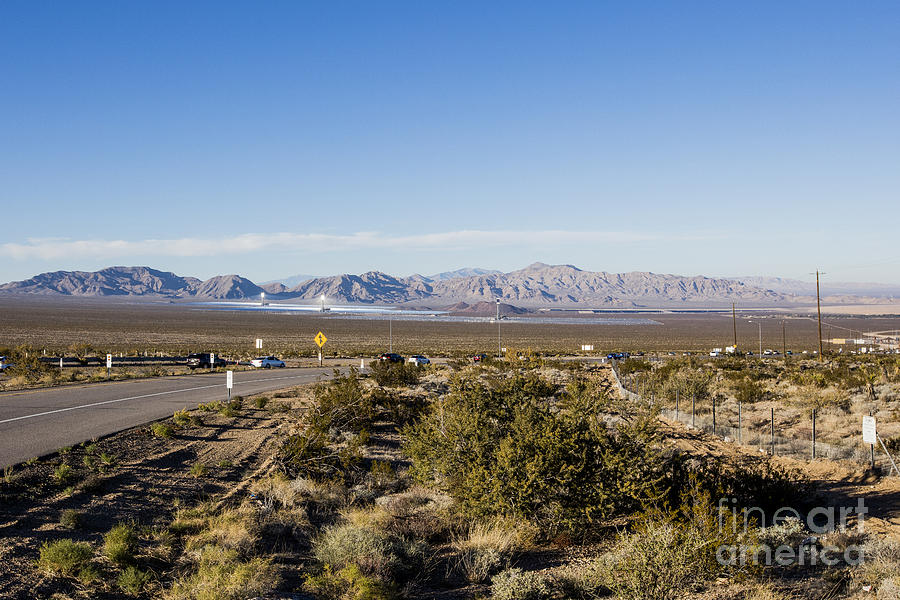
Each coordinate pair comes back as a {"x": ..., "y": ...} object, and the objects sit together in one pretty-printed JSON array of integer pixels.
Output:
[{"x": 778, "y": 540}]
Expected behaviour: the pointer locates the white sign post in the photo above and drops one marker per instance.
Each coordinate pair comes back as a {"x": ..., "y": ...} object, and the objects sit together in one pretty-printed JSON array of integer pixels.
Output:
[
  {"x": 869, "y": 433},
  {"x": 212, "y": 360},
  {"x": 259, "y": 343},
  {"x": 108, "y": 365},
  {"x": 229, "y": 382}
]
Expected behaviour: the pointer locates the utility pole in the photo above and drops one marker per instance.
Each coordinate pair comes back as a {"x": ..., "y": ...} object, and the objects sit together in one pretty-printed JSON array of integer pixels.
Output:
[
  {"x": 734, "y": 325},
  {"x": 499, "y": 344},
  {"x": 819, "y": 311},
  {"x": 783, "y": 343}
]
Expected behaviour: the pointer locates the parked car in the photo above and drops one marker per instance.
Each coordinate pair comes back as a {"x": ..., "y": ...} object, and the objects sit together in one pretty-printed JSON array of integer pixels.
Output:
[
  {"x": 4, "y": 364},
  {"x": 267, "y": 362},
  {"x": 391, "y": 357},
  {"x": 201, "y": 360},
  {"x": 419, "y": 360},
  {"x": 617, "y": 355},
  {"x": 479, "y": 357}
]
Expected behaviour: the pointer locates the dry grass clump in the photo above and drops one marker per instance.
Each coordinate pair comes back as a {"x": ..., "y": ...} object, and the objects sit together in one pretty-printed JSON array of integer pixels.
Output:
[
  {"x": 881, "y": 567},
  {"x": 221, "y": 574},
  {"x": 486, "y": 547},
  {"x": 275, "y": 491},
  {"x": 419, "y": 513},
  {"x": 232, "y": 530}
]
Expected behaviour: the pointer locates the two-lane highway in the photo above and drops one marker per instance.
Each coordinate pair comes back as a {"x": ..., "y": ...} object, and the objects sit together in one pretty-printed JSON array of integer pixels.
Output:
[{"x": 37, "y": 422}]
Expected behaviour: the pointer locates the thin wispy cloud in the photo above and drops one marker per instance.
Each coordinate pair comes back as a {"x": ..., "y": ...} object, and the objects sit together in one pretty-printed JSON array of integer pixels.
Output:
[{"x": 56, "y": 248}]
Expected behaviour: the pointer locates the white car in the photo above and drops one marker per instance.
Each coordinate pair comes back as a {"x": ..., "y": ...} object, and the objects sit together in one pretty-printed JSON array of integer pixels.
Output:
[
  {"x": 419, "y": 360},
  {"x": 267, "y": 362}
]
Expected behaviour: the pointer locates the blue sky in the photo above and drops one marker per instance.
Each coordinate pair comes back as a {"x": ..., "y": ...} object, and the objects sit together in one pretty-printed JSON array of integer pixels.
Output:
[{"x": 276, "y": 138}]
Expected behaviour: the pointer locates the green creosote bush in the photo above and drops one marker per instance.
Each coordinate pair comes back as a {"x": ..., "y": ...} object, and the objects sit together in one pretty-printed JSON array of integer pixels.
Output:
[
  {"x": 391, "y": 374},
  {"x": 505, "y": 447},
  {"x": 260, "y": 402},
  {"x": 198, "y": 470},
  {"x": 120, "y": 544},
  {"x": 64, "y": 557},
  {"x": 133, "y": 580},
  {"x": 162, "y": 430}
]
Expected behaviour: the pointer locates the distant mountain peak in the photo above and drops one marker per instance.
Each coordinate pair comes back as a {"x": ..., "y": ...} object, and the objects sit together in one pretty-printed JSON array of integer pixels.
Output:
[{"x": 463, "y": 272}]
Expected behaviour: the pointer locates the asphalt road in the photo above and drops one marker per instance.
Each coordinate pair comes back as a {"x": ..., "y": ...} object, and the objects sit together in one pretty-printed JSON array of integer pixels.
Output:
[{"x": 38, "y": 422}]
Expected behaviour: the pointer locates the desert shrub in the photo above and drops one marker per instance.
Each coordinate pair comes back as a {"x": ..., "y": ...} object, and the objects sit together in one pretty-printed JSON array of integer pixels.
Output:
[
  {"x": 341, "y": 405},
  {"x": 750, "y": 481},
  {"x": 211, "y": 406},
  {"x": 221, "y": 574},
  {"x": 232, "y": 408},
  {"x": 506, "y": 448},
  {"x": 198, "y": 469},
  {"x": 63, "y": 474},
  {"x": 361, "y": 541},
  {"x": 347, "y": 583},
  {"x": 308, "y": 455},
  {"x": 370, "y": 549},
  {"x": 882, "y": 562},
  {"x": 747, "y": 390},
  {"x": 516, "y": 584},
  {"x": 260, "y": 402},
  {"x": 65, "y": 557},
  {"x": 92, "y": 484},
  {"x": 787, "y": 533},
  {"x": 162, "y": 430},
  {"x": 392, "y": 374},
  {"x": 398, "y": 408},
  {"x": 71, "y": 518},
  {"x": 28, "y": 365},
  {"x": 120, "y": 544},
  {"x": 671, "y": 552},
  {"x": 181, "y": 418},
  {"x": 633, "y": 365},
  {"x": 133, "y": 581}
]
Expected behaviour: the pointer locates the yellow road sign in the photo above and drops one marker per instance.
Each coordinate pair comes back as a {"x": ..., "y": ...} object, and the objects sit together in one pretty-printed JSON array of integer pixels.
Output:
[{"x": 321, "y": 339}]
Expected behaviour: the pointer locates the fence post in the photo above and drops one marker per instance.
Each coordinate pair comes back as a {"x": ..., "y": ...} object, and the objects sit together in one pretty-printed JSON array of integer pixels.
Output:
[
  {"x": 814, "y": 434},
  {"x": 714, "y": 413},
  {"x": 676, "y": 403},
  {"x": 773, "y": 431},
  {"x": 693, "y": 413}
]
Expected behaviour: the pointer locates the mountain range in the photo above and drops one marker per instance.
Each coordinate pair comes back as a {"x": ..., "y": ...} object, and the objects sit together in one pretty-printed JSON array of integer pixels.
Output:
[{"x": 537, "y": 286}]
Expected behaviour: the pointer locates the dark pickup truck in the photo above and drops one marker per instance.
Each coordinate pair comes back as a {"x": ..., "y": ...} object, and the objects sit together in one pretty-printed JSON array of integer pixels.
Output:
[{"x": 200, "y": 360}]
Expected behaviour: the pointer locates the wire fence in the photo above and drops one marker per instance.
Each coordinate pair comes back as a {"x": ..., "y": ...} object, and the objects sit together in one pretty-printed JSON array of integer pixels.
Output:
[{"x": 728, "y": 420}]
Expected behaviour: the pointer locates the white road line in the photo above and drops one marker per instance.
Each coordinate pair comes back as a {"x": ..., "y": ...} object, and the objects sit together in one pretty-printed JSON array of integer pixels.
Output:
[{"x": 203, "y": 387}]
